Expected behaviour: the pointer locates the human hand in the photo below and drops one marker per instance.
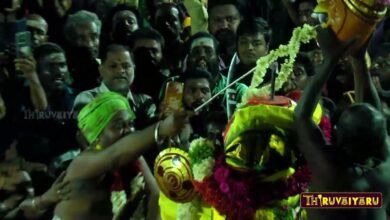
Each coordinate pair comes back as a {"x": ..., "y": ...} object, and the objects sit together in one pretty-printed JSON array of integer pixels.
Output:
[
  {"x": 59, "y": 190},
  {"x": 174, "y": 123},
  {"x": 14, "y": 179},
  {"x": 11, "y": 202},
  {"x": 28, "y": 67}
]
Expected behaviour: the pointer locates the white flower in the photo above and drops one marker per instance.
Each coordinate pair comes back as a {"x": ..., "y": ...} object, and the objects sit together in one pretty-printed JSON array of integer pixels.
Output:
[{"x": 203, "y": 169}]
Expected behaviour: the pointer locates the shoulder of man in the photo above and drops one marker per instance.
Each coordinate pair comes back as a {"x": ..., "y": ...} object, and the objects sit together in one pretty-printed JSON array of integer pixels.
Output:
[{"x": 84, "y": 98}]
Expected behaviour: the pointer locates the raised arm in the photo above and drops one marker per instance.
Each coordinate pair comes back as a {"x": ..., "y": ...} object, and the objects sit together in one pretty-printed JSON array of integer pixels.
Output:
[
  {"x": 365, "y": 90},
  {"x": 333, "y": 50},
  {"x": 311, "y": 140},
  {"x": 125, "y": 150},
  {"x": 37, "y": 93}
]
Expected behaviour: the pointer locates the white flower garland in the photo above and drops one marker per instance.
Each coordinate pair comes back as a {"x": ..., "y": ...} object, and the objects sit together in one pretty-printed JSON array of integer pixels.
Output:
[
  {"x": 200, "y": 170},
  {"x": 203, "y": 169},
  {"x": 189, "y": 210},
  {"x": 300, "y": 35}
]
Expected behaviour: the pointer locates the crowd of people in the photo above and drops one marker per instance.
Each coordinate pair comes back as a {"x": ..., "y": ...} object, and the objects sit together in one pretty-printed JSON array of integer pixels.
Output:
[{"x": 85, "y": 112}]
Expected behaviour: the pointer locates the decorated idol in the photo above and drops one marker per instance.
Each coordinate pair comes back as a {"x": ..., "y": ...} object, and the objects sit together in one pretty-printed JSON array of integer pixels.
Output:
[{"x": 259, "y": 173}]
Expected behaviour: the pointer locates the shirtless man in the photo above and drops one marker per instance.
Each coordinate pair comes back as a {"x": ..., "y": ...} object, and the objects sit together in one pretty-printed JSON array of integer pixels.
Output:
[
  {"x": 359, "y": 160},
  {"x": 105, "y": 123}
]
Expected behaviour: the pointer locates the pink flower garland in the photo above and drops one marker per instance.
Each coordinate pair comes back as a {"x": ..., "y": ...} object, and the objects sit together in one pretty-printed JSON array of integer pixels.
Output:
[{"x": 239, "y": 195}]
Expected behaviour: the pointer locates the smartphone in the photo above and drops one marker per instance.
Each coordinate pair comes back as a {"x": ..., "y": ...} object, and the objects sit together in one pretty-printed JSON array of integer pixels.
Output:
[
  {"x": 173, "y": 99},
  {"x": 23, "y": 44}
]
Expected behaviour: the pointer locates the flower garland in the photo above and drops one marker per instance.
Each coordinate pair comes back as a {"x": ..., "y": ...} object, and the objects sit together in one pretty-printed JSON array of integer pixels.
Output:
[
  {"x": 235, "y": 194},
  {"x": 202, "y": 158},
  {"x": 300, "y": 35}
]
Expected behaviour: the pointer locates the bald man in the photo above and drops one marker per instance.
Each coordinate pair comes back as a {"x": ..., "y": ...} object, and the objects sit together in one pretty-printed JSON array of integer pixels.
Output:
[{"x": 38, "y": 27}]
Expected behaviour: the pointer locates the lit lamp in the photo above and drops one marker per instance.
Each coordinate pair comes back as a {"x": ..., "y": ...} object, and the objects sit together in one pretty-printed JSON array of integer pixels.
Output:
[{"x": 353, "y": 18}]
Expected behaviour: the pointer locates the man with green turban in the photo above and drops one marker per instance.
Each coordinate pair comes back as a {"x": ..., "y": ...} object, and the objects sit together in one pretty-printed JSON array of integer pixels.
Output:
[
  {"x": 106, "y": 124},
  {"x": 95, "y": 116}
]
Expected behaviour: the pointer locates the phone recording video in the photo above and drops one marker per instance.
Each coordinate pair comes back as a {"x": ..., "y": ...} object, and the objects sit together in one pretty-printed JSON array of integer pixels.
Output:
[{"x": 23, "y": 44}]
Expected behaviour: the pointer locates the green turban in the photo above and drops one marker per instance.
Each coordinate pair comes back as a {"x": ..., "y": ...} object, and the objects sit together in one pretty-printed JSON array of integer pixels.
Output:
[{"x": 95, "y": 116}]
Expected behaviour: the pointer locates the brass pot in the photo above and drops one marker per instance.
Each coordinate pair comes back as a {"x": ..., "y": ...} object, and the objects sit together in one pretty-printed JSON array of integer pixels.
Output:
[{"x": 352, "y": 18}]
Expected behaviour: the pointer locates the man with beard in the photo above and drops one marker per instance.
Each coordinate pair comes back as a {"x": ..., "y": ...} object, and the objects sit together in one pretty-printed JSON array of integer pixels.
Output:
[
  {"x": 196, "y": 91},
  {"x": 147, "y": 46},
  {"x": 117, "y": 72},
  {"x": 82, "y": 32},
  {"x": 168, "y": 20},
  {"x": 54, "y": 133},
  {"x": 202, "y": 53},
  {"x": 224, "y": 18}
]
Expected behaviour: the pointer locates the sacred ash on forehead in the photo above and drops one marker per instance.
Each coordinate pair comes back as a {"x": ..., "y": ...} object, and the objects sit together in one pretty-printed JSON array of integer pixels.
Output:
[{"x": 203, "y": 41}]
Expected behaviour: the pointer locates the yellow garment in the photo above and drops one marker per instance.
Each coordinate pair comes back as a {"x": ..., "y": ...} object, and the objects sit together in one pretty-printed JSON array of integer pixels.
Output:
[
  {"x": 199, "y": 16},
  {"x": 261, "y": 116},
  {"x": 169, "y": 211},
  {"x": 168, "y": 208}
]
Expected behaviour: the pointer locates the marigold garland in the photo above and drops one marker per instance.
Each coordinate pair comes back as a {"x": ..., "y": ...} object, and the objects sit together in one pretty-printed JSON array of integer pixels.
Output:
[{"x": 300, "y": 35}]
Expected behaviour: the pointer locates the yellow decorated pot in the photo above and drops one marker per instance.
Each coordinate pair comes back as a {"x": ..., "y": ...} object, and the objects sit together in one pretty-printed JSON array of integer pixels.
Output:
[
  {"x": 173, "y": 173},
  {"x": 352, "y": 18}
]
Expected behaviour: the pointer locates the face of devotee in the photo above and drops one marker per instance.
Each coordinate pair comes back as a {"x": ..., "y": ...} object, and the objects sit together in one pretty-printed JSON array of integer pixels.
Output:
[
  {"x": 196, "y": 92},
  {"x": 118, "y": 71},
  {"x": 251, "y": 48},
  {"x": 52, "y": 71},
  {"x": 203, "y": 56},
  {"x": 119, "y": 126},
  {"x": 224, "y": 17},
  {"x": 305, "y": 9},
  {"x": 87, "y": 35},
  {"x": 38, "y": 28},
  {"x": 381, "y": 69},
  {"x": 297, "y": 79},
  {"x": 167, "y": 22},
  {"x": 152, "y": 52},
  {"x": 124, "y": 23}
]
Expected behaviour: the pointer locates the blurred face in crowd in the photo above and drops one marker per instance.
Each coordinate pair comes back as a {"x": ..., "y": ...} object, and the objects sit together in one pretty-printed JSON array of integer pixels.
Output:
[
  {"x": 251, "y": 48},
  {"x": 117, "y": 71},
  {"x": 214, "y": 133},
  {"x": 52, "y": 71},
  {"x": 124, "y": 22},
  {"x": 316, "y": 57},
  {"x": 297, "y": 79},
  {"x": 149, "y": 51},
  {"x": 203, "y": 55},
  {"x": 381, "y": 68},
  {"x": 224, "y": 17},
  {"x": 305, "y": 9},
  {"x": 119, "y": 126},
  {"x": 87, "y": 35},
  {"x": 38, "y": 28},
  {"x": 167, "y": 22},
  {"x": 196, "y": 92}
]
